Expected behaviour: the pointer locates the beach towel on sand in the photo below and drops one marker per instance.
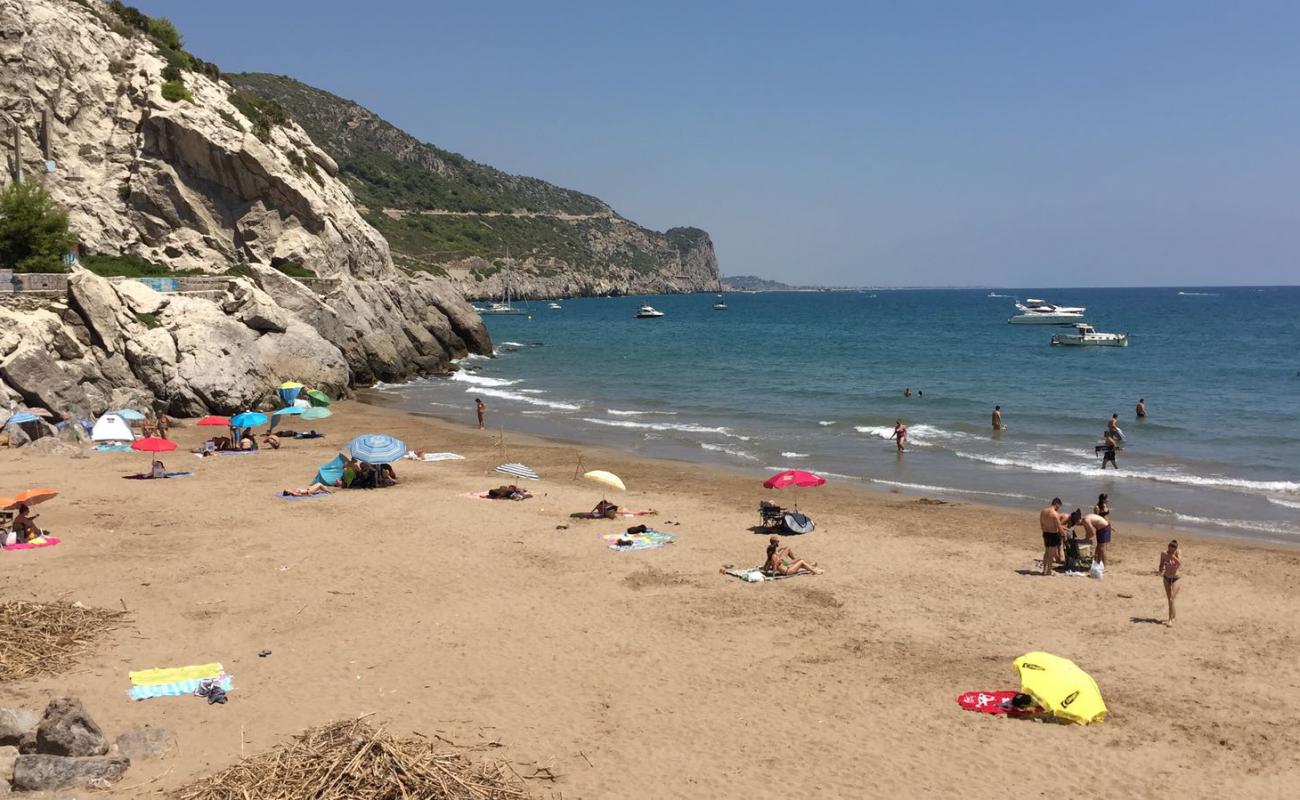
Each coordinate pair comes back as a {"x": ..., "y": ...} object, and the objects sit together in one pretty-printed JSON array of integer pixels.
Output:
[
  {"x": 431, "y": 457},
  {"x": 637, "y": 541},
  {"x": 165, "y": 475},
  {"x": 283, "y": 496},
  {"x": 176, "y": 681},
  {"x": 34, "y": 544},
  {"x": 756, "y": 574},
  {"x": 994, "y": 703}
]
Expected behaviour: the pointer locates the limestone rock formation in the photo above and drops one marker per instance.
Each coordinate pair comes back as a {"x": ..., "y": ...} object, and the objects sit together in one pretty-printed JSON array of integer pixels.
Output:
[{"x": 195, "y": 185}]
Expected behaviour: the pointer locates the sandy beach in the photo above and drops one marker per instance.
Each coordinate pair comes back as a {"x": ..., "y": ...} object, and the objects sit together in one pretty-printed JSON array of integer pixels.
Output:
[{"x": 649, "y": 674}]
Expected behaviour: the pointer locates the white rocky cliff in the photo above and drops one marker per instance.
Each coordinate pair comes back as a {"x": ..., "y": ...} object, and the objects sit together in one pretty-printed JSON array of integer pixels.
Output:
[{"x": 190, "y": 185}]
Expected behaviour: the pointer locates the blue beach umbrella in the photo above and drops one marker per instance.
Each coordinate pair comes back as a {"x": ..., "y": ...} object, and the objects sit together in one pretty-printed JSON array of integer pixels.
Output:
[
  {"x": 288, "y": 392},
  {"x": 130, "y": 414},
  {"x": 21, "y": 417},
  {"x": 282, "y": 412},
  {"x": 330, "y": 472},
  {"x": 377, "y": 448},
  {"x": 248, "y": 419}
]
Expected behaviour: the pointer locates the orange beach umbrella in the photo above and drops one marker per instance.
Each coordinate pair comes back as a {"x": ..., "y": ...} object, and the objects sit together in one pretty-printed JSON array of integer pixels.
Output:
[{"x": 31, "y": 497}]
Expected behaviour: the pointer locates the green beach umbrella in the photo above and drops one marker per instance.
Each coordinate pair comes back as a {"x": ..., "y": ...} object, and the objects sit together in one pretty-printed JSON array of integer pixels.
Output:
[
  {"x": 316, "y": 412},
  {"x": 318, "y": 398}
]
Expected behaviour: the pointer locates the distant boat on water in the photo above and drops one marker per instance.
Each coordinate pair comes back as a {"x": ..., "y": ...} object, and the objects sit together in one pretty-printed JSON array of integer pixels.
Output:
[
  {"x": 721, "y": 305},
  {"x": 647, "y": 311}
]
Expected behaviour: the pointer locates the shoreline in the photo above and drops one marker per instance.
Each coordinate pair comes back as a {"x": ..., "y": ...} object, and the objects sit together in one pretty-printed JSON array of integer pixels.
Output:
[
  {"x": 509, "y": 622},
  {"x": 378, "y": 398}
]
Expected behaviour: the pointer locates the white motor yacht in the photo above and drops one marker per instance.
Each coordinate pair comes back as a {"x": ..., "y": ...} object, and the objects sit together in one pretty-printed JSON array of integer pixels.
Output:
[
  {"x": 1085, "y": 334},
  {"x": 554, "y": 306},
  {"x": 721, "y": 305},
  {"x": 647, "y": 311},
  {"x": 1038, "y": 312}
]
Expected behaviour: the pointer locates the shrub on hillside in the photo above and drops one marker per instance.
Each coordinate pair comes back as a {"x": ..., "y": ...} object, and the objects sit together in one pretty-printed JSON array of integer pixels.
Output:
[
  {"x": 34, "y": 233},
  {"x": 175, "y": 91}
]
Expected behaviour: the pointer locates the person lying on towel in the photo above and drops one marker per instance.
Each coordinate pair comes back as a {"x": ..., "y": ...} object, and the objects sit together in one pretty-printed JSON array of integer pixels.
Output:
[
  {"x": 510, "y": 492},
  {"x": 781, "y": 560},
  {"x": 314, "y": 489}
]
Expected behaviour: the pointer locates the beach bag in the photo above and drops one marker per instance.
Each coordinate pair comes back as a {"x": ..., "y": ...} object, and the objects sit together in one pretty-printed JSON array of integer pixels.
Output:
[{"x": 1097, "y": 570}]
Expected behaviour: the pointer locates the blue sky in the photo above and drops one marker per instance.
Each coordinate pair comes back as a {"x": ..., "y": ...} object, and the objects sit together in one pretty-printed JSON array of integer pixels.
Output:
[{"x": 923, "y": 143}]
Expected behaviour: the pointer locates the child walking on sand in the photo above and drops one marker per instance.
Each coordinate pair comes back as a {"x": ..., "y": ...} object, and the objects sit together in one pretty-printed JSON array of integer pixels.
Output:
[{"x": 1170, "y": 560}]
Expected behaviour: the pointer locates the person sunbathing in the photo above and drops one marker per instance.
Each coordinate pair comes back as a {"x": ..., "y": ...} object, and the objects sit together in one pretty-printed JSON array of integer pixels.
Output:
[
  {"x": 310, "y": 491},
  {"x": 271, "y": 440},
  {"x": 24, "y": 526},
  {"x": 510, "y": 492},
  {"x": 781, "y": 560},
  {"x": 248, "y": 442}
]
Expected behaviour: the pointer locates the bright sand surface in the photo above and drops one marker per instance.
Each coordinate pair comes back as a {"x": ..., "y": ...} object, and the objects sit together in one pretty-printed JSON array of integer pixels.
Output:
[{"x": 648, "y": 674}]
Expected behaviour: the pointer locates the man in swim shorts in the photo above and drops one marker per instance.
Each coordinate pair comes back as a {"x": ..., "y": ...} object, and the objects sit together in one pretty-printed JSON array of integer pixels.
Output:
[
  {"x": 1050, "y": 520},
  {"x": 1097, "y": 528},
  {"x": 1141, "y": 409},
  {"x": 997, "y": 418}
]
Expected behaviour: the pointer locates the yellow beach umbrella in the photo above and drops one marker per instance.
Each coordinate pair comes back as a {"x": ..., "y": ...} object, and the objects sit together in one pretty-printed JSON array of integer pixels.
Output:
[
  {"x": 1059, "y": 686},
  {"x": 290, "y": 385},
  {"x": 604, "y": 478}
]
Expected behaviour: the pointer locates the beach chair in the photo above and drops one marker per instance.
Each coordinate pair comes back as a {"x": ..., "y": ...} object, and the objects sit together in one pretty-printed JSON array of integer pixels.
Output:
[{"x": 770, "y": 515}]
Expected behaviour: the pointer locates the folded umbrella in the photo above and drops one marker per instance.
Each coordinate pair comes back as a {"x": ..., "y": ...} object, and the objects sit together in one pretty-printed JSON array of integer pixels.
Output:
[
  {"x": 288, "y": 391},
  {"x": 377, "y": 448}
]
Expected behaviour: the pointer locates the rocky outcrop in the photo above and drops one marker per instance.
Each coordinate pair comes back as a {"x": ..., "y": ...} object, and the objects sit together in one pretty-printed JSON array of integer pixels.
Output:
[{"x": 189, "y": 185}]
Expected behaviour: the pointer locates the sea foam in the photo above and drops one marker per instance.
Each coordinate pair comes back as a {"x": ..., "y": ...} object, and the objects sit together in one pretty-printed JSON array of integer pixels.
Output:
[{"x": 522, "y": 398}]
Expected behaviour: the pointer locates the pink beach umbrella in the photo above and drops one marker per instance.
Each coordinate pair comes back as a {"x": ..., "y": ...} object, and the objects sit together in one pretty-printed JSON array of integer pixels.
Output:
[{"x": 793, "y": 477}]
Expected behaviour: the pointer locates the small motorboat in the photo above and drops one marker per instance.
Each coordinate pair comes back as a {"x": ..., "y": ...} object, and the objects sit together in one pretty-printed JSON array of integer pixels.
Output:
[
  {"x": 554, "y": 306},
  {"x": 1038, "y": 312},
  {"x": 1085, "y": 334},
  {"x": 721, "y": 305},
  {"x": 647, "y": 311}
]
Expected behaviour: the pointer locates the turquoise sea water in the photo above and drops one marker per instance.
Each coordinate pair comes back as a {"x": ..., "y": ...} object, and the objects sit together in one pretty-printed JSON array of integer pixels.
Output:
[{"x": 815, "y": 381}]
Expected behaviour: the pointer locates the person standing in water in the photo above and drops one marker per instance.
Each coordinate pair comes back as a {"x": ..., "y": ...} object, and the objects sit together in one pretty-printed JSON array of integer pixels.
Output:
[
  {"x": 900, "y": 433},
  {"x": 997, "y": 418},
  {"x": 1102, "y": 509},
  {"x": 1108, "y": 451},
  {"x": 481, "y": 408},
  {"x": 1112, "y": 428},
  {"x": 1141, "y": 409},
  {"x": 1050, "y": 520},
  {"x": 1170, "y": 562},
  {"x": 907, "y": 392}
]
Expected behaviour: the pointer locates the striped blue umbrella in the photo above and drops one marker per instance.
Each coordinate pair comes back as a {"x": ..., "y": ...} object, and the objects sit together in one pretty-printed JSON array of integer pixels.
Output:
[
  {"x": 377, "y": 448},
  {"x": 21, "y": 417},
  {"x": 519, "y": 471},
  {"x": 248, "y": 419}
]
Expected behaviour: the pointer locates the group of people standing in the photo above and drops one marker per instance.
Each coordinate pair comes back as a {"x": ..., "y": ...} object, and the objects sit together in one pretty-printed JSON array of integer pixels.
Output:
[{"x": 1055, "y": 525}]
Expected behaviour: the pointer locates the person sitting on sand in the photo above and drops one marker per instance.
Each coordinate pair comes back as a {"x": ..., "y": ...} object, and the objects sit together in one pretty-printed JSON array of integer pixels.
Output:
[
  {"x": 314, "y": 489},
  {"x": 1050, "y": 520},
  {"x": 1170, "y": 562},
  {"x": 247, "y": 441},
  {"x": 271, "y": 440},
  {"x": 781, "y": 560},
  {"x": 24, "y": 525},
  {"x": 604, "y": 509}
]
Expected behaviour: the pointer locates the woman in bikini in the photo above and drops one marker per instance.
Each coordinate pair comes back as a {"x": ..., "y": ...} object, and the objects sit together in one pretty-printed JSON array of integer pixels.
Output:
[
  {"x": 1170, "y": 561},
  {"x": 782, "y": 560},
  {"x": 1102, "y": 509}
]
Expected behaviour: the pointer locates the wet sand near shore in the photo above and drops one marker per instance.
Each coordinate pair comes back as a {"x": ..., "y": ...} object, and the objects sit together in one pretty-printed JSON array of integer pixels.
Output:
[{"x": 648, "y": 674}]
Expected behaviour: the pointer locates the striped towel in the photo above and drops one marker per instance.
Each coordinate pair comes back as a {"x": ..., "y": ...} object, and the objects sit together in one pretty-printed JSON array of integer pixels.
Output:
[
  {"x": 519, "y": 471},
  {"x": 176, "y": 681},
  {"x": 430, "y": 457},
  {"x": 637, "y": 541}
]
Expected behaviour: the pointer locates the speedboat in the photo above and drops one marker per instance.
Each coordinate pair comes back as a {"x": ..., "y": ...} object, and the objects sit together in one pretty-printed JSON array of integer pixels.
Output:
[
  {"x": 647, "y": 311},
  {"x": 554, "y": 306},
  {"x": 1085, "y": 334},
  {"x": 1038, "y": 312},
  {"x": 721, "y": 305}
]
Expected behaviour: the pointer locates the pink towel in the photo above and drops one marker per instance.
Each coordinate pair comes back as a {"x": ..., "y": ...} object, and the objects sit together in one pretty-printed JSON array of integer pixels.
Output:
[{"x": 50, "y": 541}]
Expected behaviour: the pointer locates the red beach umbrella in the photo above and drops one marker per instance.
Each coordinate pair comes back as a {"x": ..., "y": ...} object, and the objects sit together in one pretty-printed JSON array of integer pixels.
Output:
[
  {"x": 153, "y": 444},
  {"x": 223, "y": 422},
  {"x": 793, "y": 477}
]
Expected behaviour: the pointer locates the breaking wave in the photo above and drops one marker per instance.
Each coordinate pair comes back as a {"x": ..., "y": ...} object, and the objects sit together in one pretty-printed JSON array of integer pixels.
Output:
[
  {"x": 480, "y": 380},
  {"x": 665, "y": 426},
  {"x": 522, "y": 398}
]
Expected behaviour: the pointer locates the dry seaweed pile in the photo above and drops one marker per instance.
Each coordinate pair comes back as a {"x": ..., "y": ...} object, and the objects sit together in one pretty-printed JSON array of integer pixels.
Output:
[
  {"x": 353, "y": 761},
  {"x": 48, "y": 638}
]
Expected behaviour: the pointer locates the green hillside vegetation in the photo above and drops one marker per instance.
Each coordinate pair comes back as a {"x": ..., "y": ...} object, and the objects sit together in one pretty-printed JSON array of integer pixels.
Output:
[{"x": 387, "y": 168}]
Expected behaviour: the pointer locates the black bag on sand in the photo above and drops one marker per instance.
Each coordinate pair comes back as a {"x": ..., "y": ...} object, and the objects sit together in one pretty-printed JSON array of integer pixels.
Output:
[{"x": 637, "y": 529}]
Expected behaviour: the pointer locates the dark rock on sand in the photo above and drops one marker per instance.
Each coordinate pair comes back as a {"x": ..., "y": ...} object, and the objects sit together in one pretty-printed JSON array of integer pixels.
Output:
[
  {"x": 67, "y": 730},
  {"x": 41, "y": 772}
]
